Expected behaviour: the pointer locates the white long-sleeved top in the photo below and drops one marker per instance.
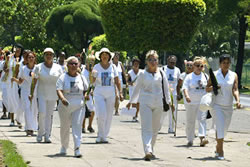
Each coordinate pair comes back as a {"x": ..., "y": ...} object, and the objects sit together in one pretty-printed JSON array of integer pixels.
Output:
[{"x": 149, "y": 88}]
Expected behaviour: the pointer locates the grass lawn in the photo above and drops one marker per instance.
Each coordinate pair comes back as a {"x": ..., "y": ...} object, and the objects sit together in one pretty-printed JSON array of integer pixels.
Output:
[{"x": 10, "y": 156}]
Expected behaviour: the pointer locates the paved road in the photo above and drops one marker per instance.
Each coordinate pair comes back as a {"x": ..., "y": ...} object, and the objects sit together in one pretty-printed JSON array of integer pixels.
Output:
[{"x": 125, "y": 147}]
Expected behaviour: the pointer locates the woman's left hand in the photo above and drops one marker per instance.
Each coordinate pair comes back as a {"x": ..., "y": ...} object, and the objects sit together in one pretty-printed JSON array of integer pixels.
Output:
[
  {"x": 121, "y": 97},
  {"x": 238, "y": 105},
  {"x": 172, "y": 108}
]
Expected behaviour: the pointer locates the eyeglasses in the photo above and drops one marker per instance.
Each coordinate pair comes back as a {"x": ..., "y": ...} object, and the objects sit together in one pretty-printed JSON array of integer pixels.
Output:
[
  {"x": 199, "y": 65},
  {"x": 189, "y": 65},
  {"x": 73, "y": 64},
  {"x": 153, "y": 60},
  {"x": 48, "y": 54}
]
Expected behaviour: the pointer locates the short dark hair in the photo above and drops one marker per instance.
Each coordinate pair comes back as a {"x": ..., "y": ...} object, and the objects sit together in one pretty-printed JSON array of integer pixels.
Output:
[
  {"x": 224, "y": 57},
  {"x": 136, "y": 60}
]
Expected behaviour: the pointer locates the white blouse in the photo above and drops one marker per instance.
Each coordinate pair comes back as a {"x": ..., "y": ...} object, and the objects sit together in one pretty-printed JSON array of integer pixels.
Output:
[
  {"x": 225, "y": 93},
  {"x": 149, "y": 88}
]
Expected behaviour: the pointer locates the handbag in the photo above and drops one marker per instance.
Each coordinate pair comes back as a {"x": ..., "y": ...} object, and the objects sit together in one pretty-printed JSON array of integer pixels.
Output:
[{"x": 165, "y": 104}]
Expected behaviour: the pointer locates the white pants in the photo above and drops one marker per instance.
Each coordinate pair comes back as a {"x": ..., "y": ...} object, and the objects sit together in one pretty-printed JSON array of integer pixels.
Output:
[
  {"x": 45, "y": 116},
  {"x": 75, "y": 119},
  {"x": 104, "y": 105},
  {"x": 192, "y": 113},
  {"x": 171, "y": 124},
  {"x": 30, "y": 111},
  {"x": 150, "y": 124},
  {"x": 222, "y": 116}
]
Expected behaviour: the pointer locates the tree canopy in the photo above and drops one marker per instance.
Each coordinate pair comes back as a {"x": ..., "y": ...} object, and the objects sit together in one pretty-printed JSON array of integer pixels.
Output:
[
  {"x": 25, "y": 18},
  {"x": 137, "y": 25},
  {"x": 75, "y": 23}
]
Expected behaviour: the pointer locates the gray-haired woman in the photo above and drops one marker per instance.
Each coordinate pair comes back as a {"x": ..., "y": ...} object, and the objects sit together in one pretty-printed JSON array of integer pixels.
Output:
[{"x": 70, "y": 90}]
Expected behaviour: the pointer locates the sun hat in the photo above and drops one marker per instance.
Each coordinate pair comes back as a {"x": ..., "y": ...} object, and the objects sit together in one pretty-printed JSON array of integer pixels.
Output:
[
  {"x": 97, "y": 54},
  {"x": 48, "y": 50}
]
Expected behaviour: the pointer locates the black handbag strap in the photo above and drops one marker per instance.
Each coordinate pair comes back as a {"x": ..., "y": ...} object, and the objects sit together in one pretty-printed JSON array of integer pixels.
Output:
[{"x": 162, "y": 85}]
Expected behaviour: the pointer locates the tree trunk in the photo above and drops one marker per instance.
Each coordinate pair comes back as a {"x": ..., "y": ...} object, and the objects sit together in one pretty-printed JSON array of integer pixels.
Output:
[{"x": 240, "y": 56}]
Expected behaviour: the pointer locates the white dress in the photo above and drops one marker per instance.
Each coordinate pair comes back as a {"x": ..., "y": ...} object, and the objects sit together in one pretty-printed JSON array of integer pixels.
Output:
[{"x": 223, "y": 103}]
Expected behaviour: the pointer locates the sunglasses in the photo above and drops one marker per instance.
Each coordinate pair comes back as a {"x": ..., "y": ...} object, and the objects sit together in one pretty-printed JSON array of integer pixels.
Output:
[
  {"x": 189, "y": 65},
  {"x": 73, "y": 64},
  {"x": 152, "y": 60},
  {"x": 199, "y": 65}
]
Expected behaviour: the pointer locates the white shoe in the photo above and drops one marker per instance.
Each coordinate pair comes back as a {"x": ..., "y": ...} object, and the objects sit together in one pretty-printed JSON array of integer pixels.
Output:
[
  {"x": 78, "y": 153},
  {"x": 63, "y": 151},
  {"x": 39, "y": 138},
  {"x": 47, "y": 140}
]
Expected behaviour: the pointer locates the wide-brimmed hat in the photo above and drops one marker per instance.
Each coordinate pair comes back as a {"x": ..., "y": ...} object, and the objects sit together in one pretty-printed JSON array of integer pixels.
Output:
[
  {"x": 97, "y": 54},
  {"x": 48, "y": 50}
]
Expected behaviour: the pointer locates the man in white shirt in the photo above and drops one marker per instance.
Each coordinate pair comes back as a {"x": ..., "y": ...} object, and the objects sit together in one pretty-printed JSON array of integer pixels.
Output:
[{"x": 173, "y": 75}]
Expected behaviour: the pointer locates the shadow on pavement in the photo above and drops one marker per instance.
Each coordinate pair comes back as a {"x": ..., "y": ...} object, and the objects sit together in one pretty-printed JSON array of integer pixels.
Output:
[
  {"x": 58, "y": 155},
  {"x": 208, "y": 159},
  {"x": 128, "y": 122},
  {"x": 132, "y": 159},
  {"x": 94, "y": 143},
  {"x": 185, "y": 146},
  {"x": 179, "y": 137}
]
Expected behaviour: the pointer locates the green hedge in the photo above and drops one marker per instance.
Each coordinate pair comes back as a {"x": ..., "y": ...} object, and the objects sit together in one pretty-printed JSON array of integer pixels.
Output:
[{"x": 139, "y": 25}]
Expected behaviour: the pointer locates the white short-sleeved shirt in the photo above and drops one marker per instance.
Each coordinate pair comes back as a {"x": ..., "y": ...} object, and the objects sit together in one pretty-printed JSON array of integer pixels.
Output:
[
  {"x": 72, "y": 87},
  {"x": 85, "y": 73},
  {"x": 173, "y": 76},
  {"x": 25, "y": 74},
  {"x": 104, "y": 77},
  {"x": 225, "y": 94},
  {"x": 119, "y": 70},
  {"x": 196, "y": 86},
  {"x": 133, "y": 77},
  {"x": 183, "y": 76},
  {"x": 47, "y": 78}
]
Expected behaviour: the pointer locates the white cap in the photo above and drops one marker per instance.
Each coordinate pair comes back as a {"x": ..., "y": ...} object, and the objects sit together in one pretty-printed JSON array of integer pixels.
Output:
[
  {"x": 49, "y": 50},
  {"x": 97, "y": 54}
]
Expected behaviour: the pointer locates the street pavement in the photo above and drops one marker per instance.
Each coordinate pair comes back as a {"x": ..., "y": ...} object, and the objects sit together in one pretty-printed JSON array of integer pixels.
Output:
[{"x": 125, "y": 145}]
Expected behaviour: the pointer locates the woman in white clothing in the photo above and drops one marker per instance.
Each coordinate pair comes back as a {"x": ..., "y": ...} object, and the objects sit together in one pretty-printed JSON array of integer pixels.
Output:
[
  {"x": 194, "y": 88},
  {"x": 70, "y": 90},
  {"x": 105, "y": 77},
  {"x": 149, "y": 89},
  {"x": 30, "y": 108},
  {"x": 90, "y": 109},
  {"x": 132, "y": 77},
  {"x": 121, "y": 73},
  {"x": 223, "y": 103},
  {"x": 47, "y": 74},
  {"x": 11, "y": 68},
  {"x": 188, "y": 70}
]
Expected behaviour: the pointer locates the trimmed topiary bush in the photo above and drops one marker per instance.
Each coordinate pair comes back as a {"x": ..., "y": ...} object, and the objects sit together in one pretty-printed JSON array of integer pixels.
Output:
[{"x": 139, "y": 25}]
